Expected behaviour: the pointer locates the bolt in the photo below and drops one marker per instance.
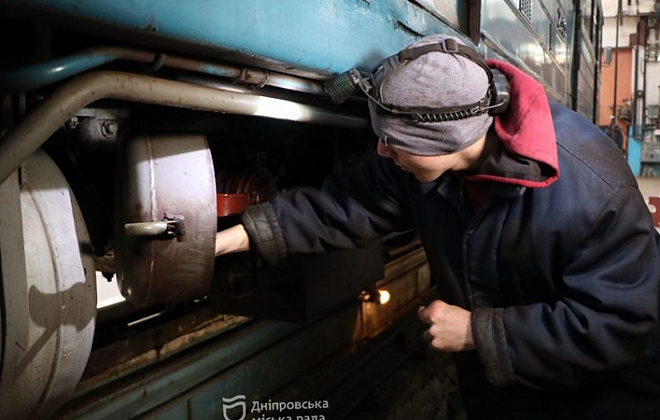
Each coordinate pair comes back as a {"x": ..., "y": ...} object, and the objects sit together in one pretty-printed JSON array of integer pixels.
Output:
[
  {"x": 108, "y": 128},
  {"x": 73, "y": 123}
]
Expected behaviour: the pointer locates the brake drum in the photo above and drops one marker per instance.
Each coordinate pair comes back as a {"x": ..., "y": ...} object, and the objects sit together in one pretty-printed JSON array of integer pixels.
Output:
[
  {"x": 48, "y": 299},
  {"x": 166, "y": 218}
]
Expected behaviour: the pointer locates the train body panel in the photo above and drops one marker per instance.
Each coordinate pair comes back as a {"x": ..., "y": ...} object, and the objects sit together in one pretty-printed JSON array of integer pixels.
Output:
[
  {"x": 329, "y": 38},
  {"x": 122, "y": 96}
]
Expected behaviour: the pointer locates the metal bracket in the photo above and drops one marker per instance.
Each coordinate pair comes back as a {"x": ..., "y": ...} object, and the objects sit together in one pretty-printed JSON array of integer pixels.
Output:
[{"x": 175, "y": 226}]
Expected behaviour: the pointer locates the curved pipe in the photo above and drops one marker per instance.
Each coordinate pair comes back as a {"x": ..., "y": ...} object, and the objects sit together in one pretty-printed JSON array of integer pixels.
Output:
[
  {"x": 42, "y": 74},
  {"x": 26, "y": 137}
]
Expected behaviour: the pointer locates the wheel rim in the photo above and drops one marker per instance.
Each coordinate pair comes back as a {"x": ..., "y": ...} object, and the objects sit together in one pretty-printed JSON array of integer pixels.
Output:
[{"x": 48, "y": 291}]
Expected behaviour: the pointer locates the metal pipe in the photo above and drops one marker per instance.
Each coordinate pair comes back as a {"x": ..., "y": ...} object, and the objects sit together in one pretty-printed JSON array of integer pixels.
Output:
[
  {"x": 616, "y": 61},
  {"x": 45, "y": 73},
  {"x": 246, "y": 75},
  {"x": 26, "y": 137},
  {"x": 576, "y": 60},
  {"x": 639, "y": 128},
  {"x": 597, "y": 71},
  {"x": 42, "y": 74}
]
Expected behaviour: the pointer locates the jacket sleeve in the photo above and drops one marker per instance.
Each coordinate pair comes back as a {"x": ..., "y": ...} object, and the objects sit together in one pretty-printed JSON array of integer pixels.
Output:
[
  {"x": 350, "y": 210},
  {"x": 603, "y": 319}
]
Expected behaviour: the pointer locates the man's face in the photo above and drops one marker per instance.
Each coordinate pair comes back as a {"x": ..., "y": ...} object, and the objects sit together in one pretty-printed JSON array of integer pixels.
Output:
[{"x": 424, "y": 168}]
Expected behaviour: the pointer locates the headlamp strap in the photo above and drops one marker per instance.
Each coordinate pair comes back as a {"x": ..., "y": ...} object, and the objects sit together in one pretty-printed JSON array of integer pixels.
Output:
[{"x": 448, "y": 46}]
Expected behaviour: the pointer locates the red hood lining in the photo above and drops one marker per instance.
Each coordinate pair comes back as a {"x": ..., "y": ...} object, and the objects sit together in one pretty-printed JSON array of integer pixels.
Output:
[{"x": 526, "y": 128}]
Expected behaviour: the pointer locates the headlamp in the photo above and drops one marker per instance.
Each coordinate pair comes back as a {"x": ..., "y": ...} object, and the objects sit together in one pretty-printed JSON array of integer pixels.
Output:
[{"x": 342, "y": 87}]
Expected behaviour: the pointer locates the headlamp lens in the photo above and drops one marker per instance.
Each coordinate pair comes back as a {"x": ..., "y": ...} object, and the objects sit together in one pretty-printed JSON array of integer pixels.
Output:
[{"x": 344, "y": 86}]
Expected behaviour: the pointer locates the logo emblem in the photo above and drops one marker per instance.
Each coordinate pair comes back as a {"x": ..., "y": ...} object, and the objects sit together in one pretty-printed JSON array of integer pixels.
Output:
[{"x": 238, "y": 403}]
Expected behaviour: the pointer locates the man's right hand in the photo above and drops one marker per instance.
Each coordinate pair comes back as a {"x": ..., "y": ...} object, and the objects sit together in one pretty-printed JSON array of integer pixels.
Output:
[{"x": 233, "y": 239}]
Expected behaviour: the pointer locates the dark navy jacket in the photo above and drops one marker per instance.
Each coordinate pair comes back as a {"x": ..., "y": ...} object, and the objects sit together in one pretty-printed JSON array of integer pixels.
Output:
[{"x": 561, "y": 273}]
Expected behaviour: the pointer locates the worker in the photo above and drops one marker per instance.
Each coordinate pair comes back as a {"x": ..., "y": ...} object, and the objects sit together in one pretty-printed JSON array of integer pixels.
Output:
[{"x": 540, "y": 244}]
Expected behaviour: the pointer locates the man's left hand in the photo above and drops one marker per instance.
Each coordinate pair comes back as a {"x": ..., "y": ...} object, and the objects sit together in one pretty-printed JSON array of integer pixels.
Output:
[{"x": 450, "y": 327}]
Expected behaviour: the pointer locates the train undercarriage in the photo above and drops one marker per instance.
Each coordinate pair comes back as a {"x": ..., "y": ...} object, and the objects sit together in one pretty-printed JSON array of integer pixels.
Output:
[
  {"x": 129, "y": 139},
  {"x": 135, "y": 170}
]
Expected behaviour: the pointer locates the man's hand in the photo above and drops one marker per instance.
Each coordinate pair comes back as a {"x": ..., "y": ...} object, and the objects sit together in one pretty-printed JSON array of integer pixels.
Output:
[
  {"x": 450, "y": 327},
  {"x": 234, "y": 239}
]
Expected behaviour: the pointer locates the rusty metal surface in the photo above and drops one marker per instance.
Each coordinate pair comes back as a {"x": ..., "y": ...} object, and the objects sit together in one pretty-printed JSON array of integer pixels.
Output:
[{"x": 166, "y": 177}]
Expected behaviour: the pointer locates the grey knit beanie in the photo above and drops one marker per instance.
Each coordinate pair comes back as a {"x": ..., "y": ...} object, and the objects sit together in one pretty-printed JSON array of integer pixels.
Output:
[{"x": 435, "y": 79}]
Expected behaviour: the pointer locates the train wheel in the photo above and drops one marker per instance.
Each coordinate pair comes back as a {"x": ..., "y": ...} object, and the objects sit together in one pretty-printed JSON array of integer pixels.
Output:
[{"x": 47, "y": 294}]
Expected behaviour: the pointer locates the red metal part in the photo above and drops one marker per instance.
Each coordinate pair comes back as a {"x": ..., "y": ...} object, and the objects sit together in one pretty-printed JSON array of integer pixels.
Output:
[
  {"x": 236, "y": 191},
  {"x": 231, "y": 204}
]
